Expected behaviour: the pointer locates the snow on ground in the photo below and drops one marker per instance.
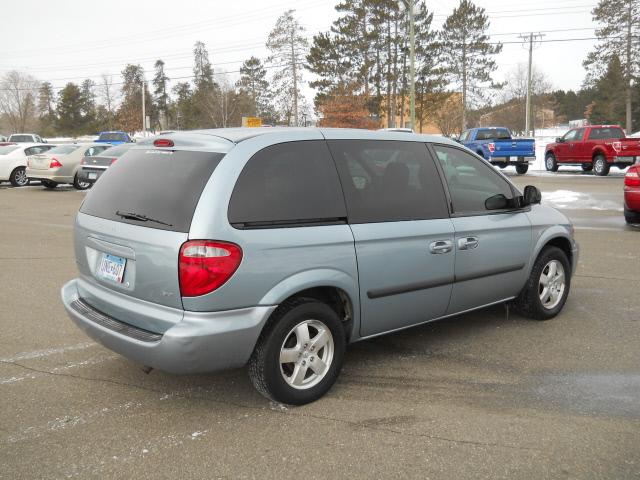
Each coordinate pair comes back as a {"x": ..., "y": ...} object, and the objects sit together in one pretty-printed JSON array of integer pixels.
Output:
[{"x": 571, "y": 200}]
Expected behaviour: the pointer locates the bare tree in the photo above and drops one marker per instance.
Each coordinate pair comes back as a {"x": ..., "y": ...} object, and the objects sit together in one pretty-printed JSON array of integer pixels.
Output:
[
  {"x": 18, "y": 94},
  {"x": 108, "y": 95},
  {"x": 516, "y": 83}
]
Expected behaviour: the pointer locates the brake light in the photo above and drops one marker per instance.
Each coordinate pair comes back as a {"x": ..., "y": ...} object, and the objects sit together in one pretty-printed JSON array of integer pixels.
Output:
[
  {"x": 491, "y": 147},
  {"x": 83, "y": 161},
  {"x": 632, "y": 179},
  {"x": 163, "y": 142},
  {"x": 205, "y": 265},
  {"x": 113, "y": 160},
  {"x": 55, "y": 163}
]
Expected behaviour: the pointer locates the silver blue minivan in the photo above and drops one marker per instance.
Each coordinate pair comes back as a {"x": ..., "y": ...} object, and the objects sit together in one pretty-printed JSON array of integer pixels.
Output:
[{"x": 276, "y": 248}]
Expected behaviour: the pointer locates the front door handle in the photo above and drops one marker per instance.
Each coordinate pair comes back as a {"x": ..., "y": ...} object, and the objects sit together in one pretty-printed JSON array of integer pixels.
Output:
[
  {"x": 467, "y": 243},
  {"x": 441, "y": 246}
]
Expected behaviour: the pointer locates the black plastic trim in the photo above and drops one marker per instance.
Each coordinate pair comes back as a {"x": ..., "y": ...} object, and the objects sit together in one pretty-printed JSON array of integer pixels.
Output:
[{"x": 307, "y": 222}]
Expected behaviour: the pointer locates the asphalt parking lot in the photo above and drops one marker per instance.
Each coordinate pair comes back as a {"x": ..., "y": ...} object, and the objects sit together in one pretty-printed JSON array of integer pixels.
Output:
[{"x": 485, "y": 395}]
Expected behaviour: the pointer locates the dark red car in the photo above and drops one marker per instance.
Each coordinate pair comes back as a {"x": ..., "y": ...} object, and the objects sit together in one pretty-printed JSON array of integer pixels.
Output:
[
  {"x": 596, "y": 147},
  {"x": 632, "y": 195}
]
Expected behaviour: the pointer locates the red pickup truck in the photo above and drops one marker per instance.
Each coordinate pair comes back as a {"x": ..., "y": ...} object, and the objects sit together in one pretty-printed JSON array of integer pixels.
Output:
[{"x": 596, "y": 148}]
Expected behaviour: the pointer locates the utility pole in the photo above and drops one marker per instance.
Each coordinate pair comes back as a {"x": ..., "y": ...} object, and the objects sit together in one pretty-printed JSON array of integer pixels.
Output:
[
  {"x": 412, "y": 68},
  {"x": 628, "y": 119},
  {"x": 144, "y": 115},
  {"x": 527, "y": 120}
]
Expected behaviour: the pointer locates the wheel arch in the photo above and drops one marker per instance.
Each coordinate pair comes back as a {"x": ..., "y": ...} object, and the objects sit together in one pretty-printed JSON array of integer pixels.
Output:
[
  {"x": 598, "y": 151},
  {"x": 332, "y": 287},
  {"x": 558, "y": 237}
]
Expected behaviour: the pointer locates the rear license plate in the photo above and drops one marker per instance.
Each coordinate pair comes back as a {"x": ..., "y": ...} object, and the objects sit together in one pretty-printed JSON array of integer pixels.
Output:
[
  {"x": 112, "y": 268},
  {"x": 92, "y": 175}
]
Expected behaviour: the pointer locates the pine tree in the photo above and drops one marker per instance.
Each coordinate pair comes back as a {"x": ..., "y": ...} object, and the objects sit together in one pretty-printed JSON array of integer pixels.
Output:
[
  {"x": 184, "y": 113},
  {"x": 467, "y": 53},
  {"x": 619, "y": 36},
  {"x": 608, "y": 105},
  {"x": 46, "y": 109},
  {"x": 88, "y": 98},
  {"x": 288, "y": 47},
  {"x": 253, "y": 82},
  {"x": 130, "y": 111},
  {"x": 160, "y": 81},
  {"x": 206, "y": 95},
  {"x": 71, "y": 120}
]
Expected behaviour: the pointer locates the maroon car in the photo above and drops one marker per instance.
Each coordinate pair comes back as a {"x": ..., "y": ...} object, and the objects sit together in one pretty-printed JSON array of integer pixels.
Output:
[
  {"x": 596, "y": 148},
  {"x": 632, "y": 195}
]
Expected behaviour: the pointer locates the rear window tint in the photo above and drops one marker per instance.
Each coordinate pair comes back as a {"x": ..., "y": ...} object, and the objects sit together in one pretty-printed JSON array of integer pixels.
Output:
[
  {"x": 290, "y": 183},
  {"x": 64, "y": 149},
  {"x": 23, "y": 138},
  {"x": 161, "y": 185}
]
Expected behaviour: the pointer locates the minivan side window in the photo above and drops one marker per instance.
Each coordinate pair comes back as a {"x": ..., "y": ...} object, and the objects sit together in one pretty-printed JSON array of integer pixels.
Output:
[
  {"x": 288, "y": 184},
  {"x": 471, "y": 181},
  {"x": 388, "y": 181}
]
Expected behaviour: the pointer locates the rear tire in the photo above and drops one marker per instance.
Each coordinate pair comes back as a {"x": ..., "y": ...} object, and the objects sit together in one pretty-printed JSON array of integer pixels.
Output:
[
  {"x": 313, "y": 369},
  {"x": 522, "y": 168},
  {"x": 631, "y": 216},
  {"x": 550, "y": 162},
  {"x": 18, "y": 177},
  {"x": 80, "y": 184},
  {"x": 600, "y": 166},
  {"x": 547, "y": 287},
  {"x": 49, "y": 184}
]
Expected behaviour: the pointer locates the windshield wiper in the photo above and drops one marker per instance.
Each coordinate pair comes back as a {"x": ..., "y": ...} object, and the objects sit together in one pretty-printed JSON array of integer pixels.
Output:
[{"x": 140, "y": 217}]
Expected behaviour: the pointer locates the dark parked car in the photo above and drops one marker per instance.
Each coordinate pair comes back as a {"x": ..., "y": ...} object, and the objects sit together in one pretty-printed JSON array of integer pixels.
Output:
[
  {"x": 92, "y": 167},
  {"x": 277, "y": 247}
]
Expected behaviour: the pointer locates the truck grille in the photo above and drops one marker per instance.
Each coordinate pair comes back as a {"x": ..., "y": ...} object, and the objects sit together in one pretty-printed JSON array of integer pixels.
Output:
[{"x": 100, "y": 318}]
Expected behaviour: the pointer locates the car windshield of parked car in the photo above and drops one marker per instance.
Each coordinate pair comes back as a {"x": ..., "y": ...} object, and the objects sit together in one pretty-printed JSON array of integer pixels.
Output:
[
  {"x": 606, "y": 133},
  {"x": 115, "y": 151},
  {"x": 64, "y": 149},
  {"x": 114, "y": 137},
  {"x": 21, "y": 138},
  {"x": 8, "y": 149}
]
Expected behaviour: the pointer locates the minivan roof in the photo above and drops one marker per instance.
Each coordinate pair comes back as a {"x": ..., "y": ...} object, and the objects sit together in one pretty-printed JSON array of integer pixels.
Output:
[{"x": 203, "y": 138}]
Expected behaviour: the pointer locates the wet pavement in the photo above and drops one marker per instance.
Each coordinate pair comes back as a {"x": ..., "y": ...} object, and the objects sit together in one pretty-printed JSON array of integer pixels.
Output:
[{"x": 484, "y": 395}]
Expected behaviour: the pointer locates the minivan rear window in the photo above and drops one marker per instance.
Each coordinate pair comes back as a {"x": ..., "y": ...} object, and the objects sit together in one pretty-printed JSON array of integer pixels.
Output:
[{"x": 161, "y": 185}]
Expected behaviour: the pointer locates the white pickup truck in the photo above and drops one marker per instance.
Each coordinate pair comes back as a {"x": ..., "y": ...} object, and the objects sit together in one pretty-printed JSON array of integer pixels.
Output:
[{"x": 26, "y": 138}]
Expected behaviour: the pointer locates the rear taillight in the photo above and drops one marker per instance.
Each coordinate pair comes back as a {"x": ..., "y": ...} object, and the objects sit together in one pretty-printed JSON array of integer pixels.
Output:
[
  {"x": 83, "y": 161},
  {"x": 205, "y": 265},
  {"x": 55, "y": 163},
  {"x": 491, "y": 147},
  {"x": 113, "y": 160},
  {"x": 632, "y": 179}
]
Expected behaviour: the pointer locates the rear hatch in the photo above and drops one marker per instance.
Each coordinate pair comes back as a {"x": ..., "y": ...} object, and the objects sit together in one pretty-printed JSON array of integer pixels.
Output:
[
  {"x": 515, "y": 147},
  {"x": 129, "y": 231}
]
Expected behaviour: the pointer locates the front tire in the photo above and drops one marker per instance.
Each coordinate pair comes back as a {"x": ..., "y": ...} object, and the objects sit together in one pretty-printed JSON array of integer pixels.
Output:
[
  {"x": 550, "y": 162},
  {"x": 522, "y": 168},
  {"x": 299, "y": 354},
  {"x": 547, "y": 287},
  {"x": 18, "y": 177},
  {"x": 600, "y": 166}
]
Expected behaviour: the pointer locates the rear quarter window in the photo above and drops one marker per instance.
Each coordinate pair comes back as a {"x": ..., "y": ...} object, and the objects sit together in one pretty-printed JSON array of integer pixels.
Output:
[
  {"x": 289, "y": 184},
  {"x": 161, "y": 185}
]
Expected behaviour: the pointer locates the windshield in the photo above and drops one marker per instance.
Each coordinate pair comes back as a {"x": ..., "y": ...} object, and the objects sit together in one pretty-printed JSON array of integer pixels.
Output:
[
  {"x": 64, "y": 149},
  {"x": 8, "y": 148},
  {"x": 115, "y": 137},
  {"x": 22, "y": 138}
]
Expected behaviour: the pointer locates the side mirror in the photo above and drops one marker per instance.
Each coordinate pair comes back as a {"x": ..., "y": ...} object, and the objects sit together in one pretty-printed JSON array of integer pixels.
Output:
[
  {"x": 559, "y": 140},
  {"x": 531, "y": 195},
  {"x": 497, "y": 202}
]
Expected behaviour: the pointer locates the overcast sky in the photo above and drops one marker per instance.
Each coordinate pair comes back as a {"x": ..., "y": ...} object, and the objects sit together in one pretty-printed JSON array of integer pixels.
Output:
[{"x": 70, "y": 40}]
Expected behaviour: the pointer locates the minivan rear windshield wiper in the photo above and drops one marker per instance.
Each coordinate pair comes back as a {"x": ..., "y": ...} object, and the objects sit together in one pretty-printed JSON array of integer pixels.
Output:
[{"x": 141, "y": 217}]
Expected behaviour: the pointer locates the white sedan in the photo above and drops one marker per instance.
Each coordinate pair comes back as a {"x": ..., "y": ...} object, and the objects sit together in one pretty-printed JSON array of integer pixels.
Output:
[{"x": 13, "y": 161}]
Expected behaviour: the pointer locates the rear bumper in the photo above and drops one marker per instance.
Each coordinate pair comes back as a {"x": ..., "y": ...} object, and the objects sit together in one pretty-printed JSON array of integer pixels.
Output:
[
  {"x": 52, "y": 176},
  {"x": 200, "y": 342},
  {"x": 90, "y": 175},
  {"x": 528, "y": 159},
  {"x": 632, "y": 199}
]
